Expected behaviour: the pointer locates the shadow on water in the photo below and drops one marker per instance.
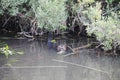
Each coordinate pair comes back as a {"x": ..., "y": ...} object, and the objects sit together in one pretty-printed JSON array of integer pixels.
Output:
[{"x": 42, "y": 63}]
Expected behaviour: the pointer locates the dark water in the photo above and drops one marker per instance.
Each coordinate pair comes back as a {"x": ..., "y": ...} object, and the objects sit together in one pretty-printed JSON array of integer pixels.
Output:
[{"x": 41, "y": 63}]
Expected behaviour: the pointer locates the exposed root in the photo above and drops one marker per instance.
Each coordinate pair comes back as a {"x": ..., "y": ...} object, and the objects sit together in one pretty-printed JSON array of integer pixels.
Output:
[{"x": 26, "y": 34}]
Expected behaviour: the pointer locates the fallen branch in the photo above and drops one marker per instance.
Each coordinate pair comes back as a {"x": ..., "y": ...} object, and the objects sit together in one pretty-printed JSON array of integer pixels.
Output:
[
  {"x": 75, "y": 50},
  {"x": 81, "y": 47}
]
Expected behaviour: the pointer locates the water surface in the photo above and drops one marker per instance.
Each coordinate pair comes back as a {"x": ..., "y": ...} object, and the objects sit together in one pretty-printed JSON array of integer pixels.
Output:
[{"x": 41, "y": 63}]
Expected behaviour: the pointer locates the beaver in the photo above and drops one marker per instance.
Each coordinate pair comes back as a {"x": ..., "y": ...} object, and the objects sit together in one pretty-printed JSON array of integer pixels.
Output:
[{"x": 61, "y": 49}]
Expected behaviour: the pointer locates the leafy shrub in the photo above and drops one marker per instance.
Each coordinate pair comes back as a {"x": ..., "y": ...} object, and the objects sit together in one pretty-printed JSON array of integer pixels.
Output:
[
  {"x": 106, "y": 31},
  {"x": 105, "y": 27},
  {"x": 12, "y": 7},
  {"x": 50, "y": 14}
]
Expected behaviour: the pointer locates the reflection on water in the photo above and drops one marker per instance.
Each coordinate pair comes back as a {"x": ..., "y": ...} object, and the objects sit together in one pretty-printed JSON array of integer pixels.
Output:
[{"x": 38, "y": 63}]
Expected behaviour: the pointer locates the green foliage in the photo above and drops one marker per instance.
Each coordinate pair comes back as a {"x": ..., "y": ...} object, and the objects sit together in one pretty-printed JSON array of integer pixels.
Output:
[
  {"x": 12, "y": 6},
  {"x": 4, "y": 49},
  {"x": 106, "y": 31},
  {"x": 110, "y": 1},
  {"x": 105, "y": 25},
  {"x": 50, "y": 13},
  {"x": 1, "y": 11},
  {"x": 74, "y": 8},
  {"x": 87, "y": 1}
]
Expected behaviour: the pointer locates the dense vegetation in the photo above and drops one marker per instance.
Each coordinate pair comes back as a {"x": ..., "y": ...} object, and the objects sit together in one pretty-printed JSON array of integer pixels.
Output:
[
  {"x": 99, "y": 17},
  {"x": 48, "y": 14}
]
